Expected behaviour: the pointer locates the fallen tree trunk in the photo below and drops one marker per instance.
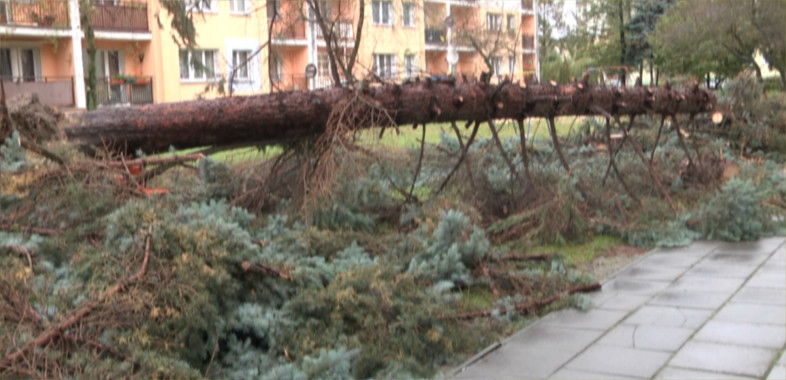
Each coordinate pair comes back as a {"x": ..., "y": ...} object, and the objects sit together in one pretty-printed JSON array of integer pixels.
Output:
[{"x": 294, "y": 115}]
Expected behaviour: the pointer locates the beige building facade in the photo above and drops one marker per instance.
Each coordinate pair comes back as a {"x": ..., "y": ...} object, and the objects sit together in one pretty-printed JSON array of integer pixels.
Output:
[{"x": 254, "y": 46}]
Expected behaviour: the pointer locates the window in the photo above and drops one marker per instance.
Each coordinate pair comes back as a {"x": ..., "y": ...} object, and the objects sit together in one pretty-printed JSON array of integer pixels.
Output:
[
  {"x": 496, "y": 64},
  {"x": 411, "y": 65},
  {"x": 239, "y": 6},
  {"x": 512, "y": 24},
  {"x": 273, "y": 9},
  {"x": 22, "y": 64},
  {"x": 240, "y": 60},
  {"x": 382, "y": 12},
  {"x": 385, "y": 65},
  {"x": 493, "y": 21},
  {"x": 276, "y": 68},
  {"x": 512, "y": 64},
  {"x": 198, "y": 65},
  {"x": 408, "y": 14},
  {"x": 201, "y": 6}
]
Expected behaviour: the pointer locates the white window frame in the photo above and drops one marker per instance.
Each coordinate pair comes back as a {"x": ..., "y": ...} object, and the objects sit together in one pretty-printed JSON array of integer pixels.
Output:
[
  {"x": 198, "y": 6},
  {"x": 276, "y": 63},
  {"x": 236, "y": 59},
  {"x": 15, "y": 56},
  {"x": 494, "y": 21},
  {"x": 240, "y": 7},
  {"x": 512, "y": 64},
  {"x": 385, "y": 66},
  {"x": 378, "y": 8},
  {"x": 411, "y": 65},
  {"x": 408, "y": 14},
  {"x": 191, "y": 77},
  {"x": 496, "y": 63},
  {"x": 511, "y": 25}
]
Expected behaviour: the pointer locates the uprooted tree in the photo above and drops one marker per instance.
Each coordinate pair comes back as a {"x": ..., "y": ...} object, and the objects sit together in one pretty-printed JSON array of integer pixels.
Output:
[{"x": 293, "y": 115}]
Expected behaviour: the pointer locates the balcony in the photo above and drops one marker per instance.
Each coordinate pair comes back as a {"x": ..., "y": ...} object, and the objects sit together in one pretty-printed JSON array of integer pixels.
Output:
[
  {"x": 290, "y": 82},
  {"x": 436, "y": 36},
  {"x": 52, "y": 91},
  {"x": 527, "y": 42},
  {"x": 343, "y": 29},
  {"x": 41, "y": 14},
  {"x": 289, "y": 31},
  {"x": 527, "y": 5},
  {"x": 124, "y": 17},
  {"x": 115, "y": 92}
]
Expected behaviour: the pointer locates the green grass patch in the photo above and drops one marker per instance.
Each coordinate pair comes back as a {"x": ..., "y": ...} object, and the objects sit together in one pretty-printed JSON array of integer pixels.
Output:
[{"x": 580, "y": 253}]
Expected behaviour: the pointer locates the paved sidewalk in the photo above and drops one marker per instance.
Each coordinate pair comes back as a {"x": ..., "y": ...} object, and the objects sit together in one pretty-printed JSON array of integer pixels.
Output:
[{"x": 708, "y": 311}]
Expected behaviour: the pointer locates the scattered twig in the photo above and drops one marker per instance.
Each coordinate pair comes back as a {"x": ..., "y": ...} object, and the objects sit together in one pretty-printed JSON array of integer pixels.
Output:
[
  {"x": 260, "y": 268},
  {"x": 523, "y": 257},
  {"x": 22, "y": 251},
  {"x": 28, "y": 229},
  {"x": 532, "y": 306},
  {"x": 75, "y": 317}
]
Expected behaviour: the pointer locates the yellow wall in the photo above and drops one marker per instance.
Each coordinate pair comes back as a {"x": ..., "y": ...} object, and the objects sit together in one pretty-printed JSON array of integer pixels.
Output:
[{"x": 212, "y": 31}]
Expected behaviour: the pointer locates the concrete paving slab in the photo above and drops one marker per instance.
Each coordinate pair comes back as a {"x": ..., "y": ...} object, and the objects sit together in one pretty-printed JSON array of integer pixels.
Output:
[
  {"x": 656, "y": 338},
  {"x": 714, "y": 357},
  {"x": 672, "y": 373},
  {"x": 699, "y": 248},
  {"x": 779, "y": 255},
  {"x": 773, "y": 266},
  {"x": 768, "y": 279},
  {"x": 572, "y": 374},
  {"x": 778, "y": 372},
  {"x": 619, "y": 361},
  {"x": 741, "y": 258},
  {"x": 707, "y": 283},
  {"x": 592, "y": 319},
  {"x": 669, "y": 260},
  {"x": 640, "y": 272},
  {"x": 630, "y": 285},
  {"x": 669, "y": 316},
  {"x": 693, "y": 299},
  {"x": 622, "y": 301},
  {"x": 555, "y": 337},
  {"x": 517, "y": 361},
  {"x": 752, "y": 313},
  {"x": 746, "y": 334},
  {"x": 721, "y": 269},
  {"x": 766, "y": 296}
]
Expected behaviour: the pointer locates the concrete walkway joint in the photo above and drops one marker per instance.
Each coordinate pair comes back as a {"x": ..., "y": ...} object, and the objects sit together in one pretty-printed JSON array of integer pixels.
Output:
[{"x": 712, "y": 310}]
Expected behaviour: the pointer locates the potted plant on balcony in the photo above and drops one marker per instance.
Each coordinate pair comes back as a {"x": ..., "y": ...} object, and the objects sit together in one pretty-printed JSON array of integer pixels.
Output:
[{"x": 45, "y": 20}]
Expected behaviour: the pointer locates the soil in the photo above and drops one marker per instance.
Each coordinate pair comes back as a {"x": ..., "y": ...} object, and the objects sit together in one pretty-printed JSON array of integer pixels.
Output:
[{"x": 616, "y": 259}]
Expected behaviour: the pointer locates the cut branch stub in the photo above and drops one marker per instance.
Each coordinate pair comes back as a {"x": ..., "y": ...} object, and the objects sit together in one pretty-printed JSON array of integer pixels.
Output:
[{"x": 290, "y": 116}]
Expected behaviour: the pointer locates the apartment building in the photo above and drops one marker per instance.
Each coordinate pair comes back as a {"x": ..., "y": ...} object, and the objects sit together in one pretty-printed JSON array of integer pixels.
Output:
[{"x": 252, "y": 46}]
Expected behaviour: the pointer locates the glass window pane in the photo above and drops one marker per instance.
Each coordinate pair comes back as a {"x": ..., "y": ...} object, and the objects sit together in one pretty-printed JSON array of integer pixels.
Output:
[
  {"x": 183, "y": 64},
  {"x": 113, "y": 61},
  {"x": 5, "y": 63},
  {"x": 198, "y": 64},
  {"x": 28, "y": 65},
  {"x": 375, "y": 12}
]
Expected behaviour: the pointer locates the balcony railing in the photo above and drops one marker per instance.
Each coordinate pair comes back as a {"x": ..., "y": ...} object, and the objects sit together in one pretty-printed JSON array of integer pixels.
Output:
[
  {"x": 436, "y": 36},
  {"x": 290, "y": 82},
  {"x": 52, "y": 91},
  {"x": 126, "y": 16},
  {"x": 342, "y": 29},
  {"x": 289, "y": 30},
  {"x": 134, "y": 91},
  {"x": 527, "y": 42},
  {"x": 43, "y": 14}
]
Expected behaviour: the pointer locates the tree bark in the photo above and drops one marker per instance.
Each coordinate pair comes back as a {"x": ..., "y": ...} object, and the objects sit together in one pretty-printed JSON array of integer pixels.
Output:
[{"x": 294, "y": 115}]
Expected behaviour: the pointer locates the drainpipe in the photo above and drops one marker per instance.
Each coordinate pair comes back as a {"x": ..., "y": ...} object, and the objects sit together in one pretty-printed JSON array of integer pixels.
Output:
[{"x": 76, "y": 45}]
